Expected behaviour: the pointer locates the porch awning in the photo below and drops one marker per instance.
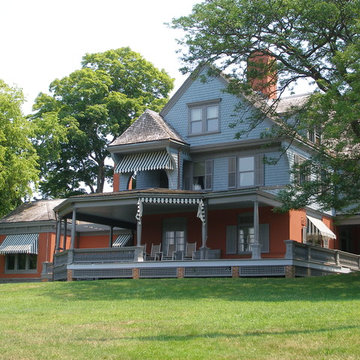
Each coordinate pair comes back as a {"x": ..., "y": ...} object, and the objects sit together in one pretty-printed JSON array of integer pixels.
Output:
[
  {"x": 324, "y": 230},
  {"x": 145, "y": 161},
  {"x": 22, "y": 243},
  {"x": 121, "y": 240}
]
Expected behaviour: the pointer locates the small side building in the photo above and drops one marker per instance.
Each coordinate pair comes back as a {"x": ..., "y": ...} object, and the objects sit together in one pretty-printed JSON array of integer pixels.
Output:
[{"x": 27, "y": 241}]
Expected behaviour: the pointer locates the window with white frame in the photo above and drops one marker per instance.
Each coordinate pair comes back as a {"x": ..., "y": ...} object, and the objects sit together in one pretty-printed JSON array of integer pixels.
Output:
[
  {"x": 203, "y": 175},
  {"x": 245, "y": 171},
  {"x": 301, "y": 174},
  {"x": 204, "y": 118},
  {"x": 174, "y": 233}
]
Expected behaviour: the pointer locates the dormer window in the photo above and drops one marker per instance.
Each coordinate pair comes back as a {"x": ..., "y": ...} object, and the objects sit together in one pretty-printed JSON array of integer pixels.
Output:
[{"x": 204, "y": 117}]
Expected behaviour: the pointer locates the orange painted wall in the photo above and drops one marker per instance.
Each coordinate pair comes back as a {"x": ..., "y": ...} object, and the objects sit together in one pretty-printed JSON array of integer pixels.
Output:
[
  {"x": 46, "y": 245},
  {"x": 218, "y": 220},
  {"x": 297, "y": 222},
  {"x": 92, "y": 242},
  {"x": 116, "y": 182}
]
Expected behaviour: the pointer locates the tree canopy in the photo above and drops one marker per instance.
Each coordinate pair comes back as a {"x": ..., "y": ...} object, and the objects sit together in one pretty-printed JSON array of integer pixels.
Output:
[
  {"x": 85, "y": 111},
  {"x": 313, "y": 40},
  {"x": 18, "y": 158}
]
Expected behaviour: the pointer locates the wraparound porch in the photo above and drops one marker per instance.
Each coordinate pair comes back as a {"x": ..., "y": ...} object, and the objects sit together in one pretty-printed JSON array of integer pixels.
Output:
[{"x": 299, "y": 260}]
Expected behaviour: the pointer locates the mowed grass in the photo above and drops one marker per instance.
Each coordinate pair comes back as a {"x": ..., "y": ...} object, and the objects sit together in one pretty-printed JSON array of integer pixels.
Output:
[{"x": 311, "y": 318}]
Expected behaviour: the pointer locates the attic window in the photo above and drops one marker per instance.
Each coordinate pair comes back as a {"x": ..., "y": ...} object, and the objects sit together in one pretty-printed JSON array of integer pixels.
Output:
[{"x": 204, "y": 117}]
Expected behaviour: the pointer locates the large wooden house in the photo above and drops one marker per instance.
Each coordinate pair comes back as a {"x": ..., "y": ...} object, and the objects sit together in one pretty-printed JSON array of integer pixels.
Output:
[{"x": 190, "y": 200}]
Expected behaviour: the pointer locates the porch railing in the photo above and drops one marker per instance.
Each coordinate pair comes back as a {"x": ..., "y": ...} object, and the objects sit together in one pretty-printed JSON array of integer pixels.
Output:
[
  {"x": 310, "y": 253},
  {"x": 113, "y": 255}
]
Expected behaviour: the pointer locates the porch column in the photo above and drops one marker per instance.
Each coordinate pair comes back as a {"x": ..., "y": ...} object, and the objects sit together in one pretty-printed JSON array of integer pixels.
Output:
[
  {"x": 202, "y": 215},
  {"x": 138, "y": 217},
  {"x": 73, "y": 229},
  {"x": 65, "y": 233},
  {"x": 58, "y": 234},
  {"x": 111, "y": 236},
  {"x": 256, "y": 247}
]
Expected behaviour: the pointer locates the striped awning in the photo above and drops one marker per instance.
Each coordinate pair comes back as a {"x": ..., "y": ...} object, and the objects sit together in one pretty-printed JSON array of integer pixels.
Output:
[
  {"x": 21, "y": 243},
  {"x": 144, "y": 162},
  {"x": 121, "y": 240},
  {"x": 323, "y": 229}
]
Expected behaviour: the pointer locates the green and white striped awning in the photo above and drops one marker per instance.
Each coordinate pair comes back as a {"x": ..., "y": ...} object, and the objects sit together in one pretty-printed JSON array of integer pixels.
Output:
[
  {"x": 21, "y": 243},
  {"x": 145, "y": 161},
  {"x": 121, "y": 240}
]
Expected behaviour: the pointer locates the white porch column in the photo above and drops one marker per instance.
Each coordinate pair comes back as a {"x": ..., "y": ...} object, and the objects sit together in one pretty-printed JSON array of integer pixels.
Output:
[
  {"x": 256, "y": 246},
  {"x": 73, "y": 229},
  {"x": 138, "y": 217},
  {"x": 202, "y": 215}
]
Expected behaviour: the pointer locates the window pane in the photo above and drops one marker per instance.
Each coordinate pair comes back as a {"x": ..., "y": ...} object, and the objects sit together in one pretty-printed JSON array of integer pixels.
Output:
[
  {"x": 231, "y": 180},
  {"x": 196, "y": 127},
  {"x": 247, "y": 179},
  {"x": 32, "y": 262},
  {"x": 196, "y": 114},
  {"x": 21, "y": 261},
  {"x": 212, "y": 125},
  {"x": 10, "y": 262},
  {"x": 246, "y": 164},
  {"x": 212, "y": 112},
  {"x": 199, "y": 168},
  {"x": 232, "y": 164}
]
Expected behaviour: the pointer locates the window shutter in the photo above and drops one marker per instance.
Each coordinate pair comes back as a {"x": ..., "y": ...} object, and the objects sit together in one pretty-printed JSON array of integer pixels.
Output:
[
  {"x": 232, "y": 172},
  {"x": 209, "y": 169},
  {"x": 231, "y": 239},
  {"x": 259, "y": 169},
  {"x": 264, "y": 237}
]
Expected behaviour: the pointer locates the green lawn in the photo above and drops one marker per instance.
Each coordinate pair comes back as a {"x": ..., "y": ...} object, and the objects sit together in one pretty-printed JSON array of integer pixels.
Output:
[{"x": 312, "y": 318}]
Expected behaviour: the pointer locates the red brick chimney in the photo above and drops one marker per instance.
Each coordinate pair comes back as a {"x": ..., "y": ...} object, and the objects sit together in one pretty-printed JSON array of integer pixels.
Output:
[{"x": 261, "y": 73}]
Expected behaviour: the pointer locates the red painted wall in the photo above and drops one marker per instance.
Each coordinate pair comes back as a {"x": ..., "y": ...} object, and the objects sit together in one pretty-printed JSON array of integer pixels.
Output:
[
  {"x": 116, "y": 182},
  {"x": 329, "y": 222},
  {"x": 297, "y": 219}
]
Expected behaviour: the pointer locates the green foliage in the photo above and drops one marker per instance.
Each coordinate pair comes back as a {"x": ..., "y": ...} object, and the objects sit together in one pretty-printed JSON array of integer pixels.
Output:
[
  {"x": 18, "y": 158},
  {"x": 85, "y": 111},
  {"x": 313, "y": 40},
  {"x": 312, "y": 318}
]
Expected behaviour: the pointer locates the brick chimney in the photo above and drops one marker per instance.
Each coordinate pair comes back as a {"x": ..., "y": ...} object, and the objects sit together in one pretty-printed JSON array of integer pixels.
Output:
[{"x": 261, "y": 73}]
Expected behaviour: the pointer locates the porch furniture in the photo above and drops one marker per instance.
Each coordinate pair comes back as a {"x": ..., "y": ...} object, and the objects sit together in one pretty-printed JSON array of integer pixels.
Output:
[
  {"x": 170, "y": 252},
  {"x": 190, "y": 250},
  {"x": 156, "y": 253}
]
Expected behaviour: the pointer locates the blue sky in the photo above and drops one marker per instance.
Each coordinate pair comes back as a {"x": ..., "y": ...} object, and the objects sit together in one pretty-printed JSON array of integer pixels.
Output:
[{"x": 45, "y": 39}]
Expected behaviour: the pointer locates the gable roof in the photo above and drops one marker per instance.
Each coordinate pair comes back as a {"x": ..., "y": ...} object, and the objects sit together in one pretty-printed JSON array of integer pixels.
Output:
[
  {"x": 41, "y": 210},
  {"x": 150, "y": 126}
]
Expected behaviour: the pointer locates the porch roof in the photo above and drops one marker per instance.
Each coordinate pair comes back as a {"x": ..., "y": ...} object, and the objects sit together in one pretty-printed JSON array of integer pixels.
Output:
[
  {"x": 20, "y": 244},
  {"x": 119, "y": 208}
]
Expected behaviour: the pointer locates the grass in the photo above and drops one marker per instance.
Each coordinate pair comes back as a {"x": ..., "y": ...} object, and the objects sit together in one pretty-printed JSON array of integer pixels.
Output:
[{"x": 311, "y": 318}]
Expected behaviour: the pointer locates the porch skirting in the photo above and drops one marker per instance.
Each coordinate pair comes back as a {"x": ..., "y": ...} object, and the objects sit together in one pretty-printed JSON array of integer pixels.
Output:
[{"x": 195, "y": 269}]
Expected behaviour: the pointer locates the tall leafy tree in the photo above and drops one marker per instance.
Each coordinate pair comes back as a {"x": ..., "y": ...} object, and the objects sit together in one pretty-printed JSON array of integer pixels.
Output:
[
  {"x": 18, "y": 158},
  {"x": 313, "y": 40},
  {"x": 85, "y": 111}
]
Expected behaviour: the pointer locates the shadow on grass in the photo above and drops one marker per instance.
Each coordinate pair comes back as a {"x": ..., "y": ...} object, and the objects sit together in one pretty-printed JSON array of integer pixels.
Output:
[
  {"x": 334, "y": 287},
  {"x": 217, "y": 335}
]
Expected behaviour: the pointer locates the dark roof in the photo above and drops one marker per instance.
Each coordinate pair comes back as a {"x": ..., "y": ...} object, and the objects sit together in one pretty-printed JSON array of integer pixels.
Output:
[
  {"x": 150, "y": 126},
  {"x": 41, "y": 210}
]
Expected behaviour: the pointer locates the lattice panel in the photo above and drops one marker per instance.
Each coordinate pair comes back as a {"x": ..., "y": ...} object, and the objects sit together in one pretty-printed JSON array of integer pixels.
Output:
[
  {"x": 102, "y": 273},
  {"x": 158, "y": 272},
  {"x": 262, "y": 270},
  {"x": 208, "y": 271}
]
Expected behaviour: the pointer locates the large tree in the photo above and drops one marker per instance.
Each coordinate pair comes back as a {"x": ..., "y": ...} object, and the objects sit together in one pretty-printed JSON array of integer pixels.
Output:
[
  {"x": 313, "y": 40},
  {"x": 85, "y": 111},
  {"x": 18, "y": 158}
]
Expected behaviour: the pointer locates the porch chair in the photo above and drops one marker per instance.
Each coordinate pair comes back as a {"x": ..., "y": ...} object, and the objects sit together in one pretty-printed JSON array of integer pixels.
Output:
[
  {"x": 190, "y": 250},
  {"x": 156, "y": 253},
  {"x": 170, "y": 252}
]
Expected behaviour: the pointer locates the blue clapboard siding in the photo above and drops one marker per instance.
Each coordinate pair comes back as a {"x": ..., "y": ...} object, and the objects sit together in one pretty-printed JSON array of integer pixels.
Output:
[{"x": 211, "y": 90}]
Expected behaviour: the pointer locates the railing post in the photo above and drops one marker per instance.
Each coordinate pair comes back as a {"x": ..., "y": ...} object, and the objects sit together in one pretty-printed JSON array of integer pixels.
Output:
[
  {"x": 138, "y": 254},
  {"x": 290, "y": 247},
  {"x": 70, "y": 258},
  {"x": 337, "y": 258}
]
